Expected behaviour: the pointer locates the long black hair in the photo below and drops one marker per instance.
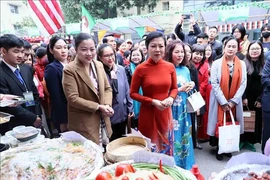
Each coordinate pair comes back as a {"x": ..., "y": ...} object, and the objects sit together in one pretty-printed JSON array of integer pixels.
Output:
[
  {"x": 259, "y": 64},
  {"x": 52, "y": 43}
]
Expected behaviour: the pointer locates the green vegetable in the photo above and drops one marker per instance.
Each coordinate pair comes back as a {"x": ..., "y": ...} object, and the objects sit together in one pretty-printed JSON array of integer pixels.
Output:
[
  {"x": 52, "y": 149},
  {"x": 49, "y": 168},
  {"x": 52, "y": 177},
  {"x": 173, "y": 172},
  {"x": 58, "y": 157},
  {"x": 76, "y": 143},
  {"x": 40, "y": 166}
]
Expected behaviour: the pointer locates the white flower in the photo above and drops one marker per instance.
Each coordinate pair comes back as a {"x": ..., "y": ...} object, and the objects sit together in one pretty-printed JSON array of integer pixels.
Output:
[
  {"x": 177, "y": 101},
  {"x": 175, "y": 125},
  {"x": 181, "y": 80}
]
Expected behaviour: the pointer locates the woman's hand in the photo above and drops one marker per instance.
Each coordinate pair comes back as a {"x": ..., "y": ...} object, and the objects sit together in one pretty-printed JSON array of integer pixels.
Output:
[
  {"x": 158, "y": 104},
  {"x": 245, "y": 102},
  {"x": 257, "y": 104},
  {"x": 167, "y": 102},
  {"x": 225, "y": 107},
  {"x": 231, "y": 104},
  {"x": 131, "y": 114},
  {"x": 190, "y": 85},
  {"x": 183, "y": 88},
  {"x": 106, "y": 110}
]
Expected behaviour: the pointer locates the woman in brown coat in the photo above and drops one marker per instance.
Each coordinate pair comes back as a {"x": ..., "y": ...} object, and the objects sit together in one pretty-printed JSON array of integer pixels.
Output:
[{"x": 88, "y": 92}]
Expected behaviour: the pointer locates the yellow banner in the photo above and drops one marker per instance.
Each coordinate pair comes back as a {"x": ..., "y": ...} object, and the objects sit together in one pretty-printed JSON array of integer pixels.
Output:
[{"x": 101, "y": 34}]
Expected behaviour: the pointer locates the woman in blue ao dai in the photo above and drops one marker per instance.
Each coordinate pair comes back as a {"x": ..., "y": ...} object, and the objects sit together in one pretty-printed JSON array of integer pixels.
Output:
[
  {"x": 136, "y": 58},
  {"x": 182, "y": 147}
]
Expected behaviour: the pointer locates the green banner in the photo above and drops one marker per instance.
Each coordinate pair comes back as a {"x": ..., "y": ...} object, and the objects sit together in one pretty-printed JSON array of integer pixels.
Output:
[
  {"x": 233, "y": 14},
  {"x": 119, "y": 23},
  {"x": 140, "y": 31}
]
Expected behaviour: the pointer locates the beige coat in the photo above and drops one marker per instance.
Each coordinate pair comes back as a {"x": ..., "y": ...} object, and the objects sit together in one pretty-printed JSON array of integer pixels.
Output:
[
  {"x": 244, "y": 44},
  {"x": 83, "y": 99}
]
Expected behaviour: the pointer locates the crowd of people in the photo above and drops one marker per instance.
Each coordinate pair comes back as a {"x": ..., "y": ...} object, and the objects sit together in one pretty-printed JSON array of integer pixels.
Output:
[{"x": 100, "y": 91}]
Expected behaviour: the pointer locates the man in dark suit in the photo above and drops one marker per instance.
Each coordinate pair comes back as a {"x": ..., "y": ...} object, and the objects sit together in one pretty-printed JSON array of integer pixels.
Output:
[{"x": 18, "y": 80}]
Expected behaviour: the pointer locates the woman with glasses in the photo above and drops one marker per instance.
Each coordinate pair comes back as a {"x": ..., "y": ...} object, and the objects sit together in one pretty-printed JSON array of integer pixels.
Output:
[
  {"x": 252, "y": 97},
  {"x": 122, "y": 104},
  {"x": 88, "y": 93}
]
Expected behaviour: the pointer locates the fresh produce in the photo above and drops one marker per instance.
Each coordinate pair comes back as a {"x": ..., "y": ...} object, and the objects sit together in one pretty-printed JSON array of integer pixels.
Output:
[
  {"x": 123, "y": 168},
  {"x": 145, "y": 171},
  {"x": 173, "y": 172},
  {"x": 104, "y": 176}
]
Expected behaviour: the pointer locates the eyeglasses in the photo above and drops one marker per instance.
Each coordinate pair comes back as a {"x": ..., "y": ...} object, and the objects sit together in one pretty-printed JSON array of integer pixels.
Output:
[
  {"x": 255, "y": 49},
  {"x": 108, "y": 55}
]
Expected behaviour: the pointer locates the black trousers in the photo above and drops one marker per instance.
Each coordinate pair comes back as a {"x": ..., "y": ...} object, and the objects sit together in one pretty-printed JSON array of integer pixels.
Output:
[{"x": 119, "y": 130}]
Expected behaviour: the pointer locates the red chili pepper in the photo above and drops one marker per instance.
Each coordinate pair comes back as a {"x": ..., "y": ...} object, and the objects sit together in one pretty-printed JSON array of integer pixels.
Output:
[
  {"x": 160, "y": 166},
  {"x": 155, "y": 175},
  {"x": 151, "y": 178}
]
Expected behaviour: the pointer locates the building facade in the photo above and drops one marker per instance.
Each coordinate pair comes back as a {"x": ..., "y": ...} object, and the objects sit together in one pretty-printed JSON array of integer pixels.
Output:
[
  {"x": 13, "y": 13},
  {"x": 167, "y": 23}
]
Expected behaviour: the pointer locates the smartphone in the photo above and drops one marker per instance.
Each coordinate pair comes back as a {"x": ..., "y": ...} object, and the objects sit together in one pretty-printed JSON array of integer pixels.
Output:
[{"x": 186, "y": 16}]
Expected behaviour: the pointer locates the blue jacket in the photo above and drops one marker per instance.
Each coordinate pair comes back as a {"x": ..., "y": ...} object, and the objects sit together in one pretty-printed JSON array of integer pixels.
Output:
[{"x": 53, "y": 77}]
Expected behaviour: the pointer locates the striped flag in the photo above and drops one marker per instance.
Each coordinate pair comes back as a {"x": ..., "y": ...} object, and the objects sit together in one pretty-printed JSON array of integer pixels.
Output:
[
  {"x": 219, "y": 28},
  {"x": 47, "y": 15},
  {"x": 260, "y": 23},
  {"x": 229, "y": 27}
]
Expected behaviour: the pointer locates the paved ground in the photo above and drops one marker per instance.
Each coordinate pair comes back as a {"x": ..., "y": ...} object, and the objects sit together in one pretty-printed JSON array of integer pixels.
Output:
[{"x": 207, "y": 161}]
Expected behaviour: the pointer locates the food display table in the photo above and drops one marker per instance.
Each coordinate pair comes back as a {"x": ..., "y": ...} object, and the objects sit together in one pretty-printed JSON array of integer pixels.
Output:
[{"x": 52, "y": 159}]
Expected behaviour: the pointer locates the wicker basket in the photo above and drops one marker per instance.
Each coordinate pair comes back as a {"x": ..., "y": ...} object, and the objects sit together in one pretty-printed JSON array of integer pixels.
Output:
[{"x": 122, "y": 149}]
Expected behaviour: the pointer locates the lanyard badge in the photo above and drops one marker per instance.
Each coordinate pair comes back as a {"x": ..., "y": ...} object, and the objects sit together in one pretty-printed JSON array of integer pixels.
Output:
[{"x": 29, "y": 98}]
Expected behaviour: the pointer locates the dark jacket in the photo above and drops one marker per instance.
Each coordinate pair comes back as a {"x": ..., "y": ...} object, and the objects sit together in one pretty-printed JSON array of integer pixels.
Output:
[
  {"x": 9, "y": 84},
  {"x": 119, "y": 59},
  {"x": 216, "y": 47},
  {"x": 128, "y": 73},
  {"x": 194, "y": 76},
  {"x": 191, "y": 37},
  {"x": 53, "y": 77}
]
